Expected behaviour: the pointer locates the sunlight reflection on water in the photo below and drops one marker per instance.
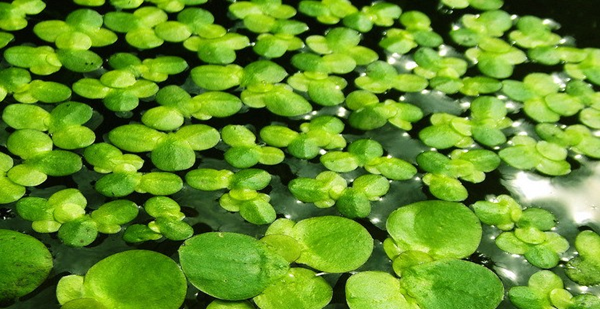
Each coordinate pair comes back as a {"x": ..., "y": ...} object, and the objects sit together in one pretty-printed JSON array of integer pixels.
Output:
[{"x": 580, "y": 201}]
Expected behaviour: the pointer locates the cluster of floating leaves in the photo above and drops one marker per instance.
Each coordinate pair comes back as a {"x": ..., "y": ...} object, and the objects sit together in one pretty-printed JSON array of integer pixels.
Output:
[{"x": 322, "y": 98}]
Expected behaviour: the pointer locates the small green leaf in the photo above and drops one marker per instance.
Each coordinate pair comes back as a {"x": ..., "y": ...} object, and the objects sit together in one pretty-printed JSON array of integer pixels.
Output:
[
  {"x": 81, "y": 61},
  {"x": 585, "y": 268},
  {"x": 25, "y": 116},
  {"x": 340, "y": 162},
  {"x": 173, "y": 31},
  {"x": 112, "y": 215},
  {"x": 135, "y": 138},
  {"x": 159, "y": 183},
  {"x": 214, "y": 77},
  {"x": 374, "y": 290},
  {"x": 28, "y": 143},
  {"x": 78, "y": 233},
  {"x": 91, "y": 88},
  {"x": 300, "y": 288}
]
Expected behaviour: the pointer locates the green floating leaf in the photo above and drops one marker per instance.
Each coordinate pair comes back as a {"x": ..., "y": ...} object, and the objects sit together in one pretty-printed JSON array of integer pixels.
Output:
[
  {"x": 135, "y": 138},
  {"x": 585, "y": 268},
  {"x": 323, "y": 190},
  {"x": 159, "y": 183},
  {"x": 410, "y": 227},
  {"x": 262, "y": 71},
  {"x": 12, "y": 192},
  {"x": 223, "y": 304},
  {"x": 546, "y": 290},
  {"x": 327, "y": 12},
  {"x": 276, "y": 45},
  {"x": 474, "y": 86},
  {"x": 214, "y": 77},
  {"x": 181, "y": 144},
  {"x": 348, "y": 244},
  {"x": 299, "y": 289},
  {"x": 25, "y": 116},
  {"x": 138, "y": 25},
  {"x": 374, "y": 290},
  {"x": 210, "y": 260},
  {"x": 451, "y": 284},
  {"x": 28, "y": 143},
  {"x": 145, "y": 275},
  {"x": 39, "y": 60},
  {"x": 78, "y": 233},
  {"x": 525, "y": 153},
  {"x": 81, "y": 31},
  {"x": 46, "y": 92},
  {"x": 486, "y": 5},
  {"x": 25, "y": 264},
  {"x": 5, "y": 38},
  {"x": 502, "y": 211},
  {"x": 14, "y": 14},
  {"x": 280, "y": 99},
  {"x": 112, "y": 215},
  {"x": 446, "y": 188},
  {"x": 81, "y": 61}
]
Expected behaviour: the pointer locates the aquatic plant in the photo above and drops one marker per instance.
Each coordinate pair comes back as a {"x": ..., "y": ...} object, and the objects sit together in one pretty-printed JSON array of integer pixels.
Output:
[{"x": 315, "y": 154}]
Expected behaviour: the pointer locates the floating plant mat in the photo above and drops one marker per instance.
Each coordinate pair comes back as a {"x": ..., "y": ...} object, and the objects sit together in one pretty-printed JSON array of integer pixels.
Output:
[{"x": 310, "y": 154}]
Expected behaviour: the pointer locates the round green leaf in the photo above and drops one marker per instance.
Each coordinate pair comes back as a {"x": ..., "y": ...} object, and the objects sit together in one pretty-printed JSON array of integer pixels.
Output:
[
  {"x": 26, "y": 116},
  {"x": 299, "y": 289},
  {"x": 9, "y": 191},
  {"x": 74, "y": 137},
  {"x": 333, "y": 244},
  {"x": 374, "y": 290},
  {"x": 49, "y": 92},
  {"x": 211, "y": 259},
  {"x": 25, "y": 264},
  {"x": 453, "y": 284},
  {"x": 136, "y": 278},
  {"x": 160, "y": 183},
  {"x": 78, "y": 233},
  {"x": 135, "y": 138},
  {"x": 117, "y": 212},
  {"x": 28, "y": 143},
  {"x": 81, "y": 61},
  {"x": 215, "y": 77},
  {"x": 457, "y": 233},
  {"x": 57, "y": 163},
  {"x": 173, "y": 155},
  {"x": 118, "y": 184}
]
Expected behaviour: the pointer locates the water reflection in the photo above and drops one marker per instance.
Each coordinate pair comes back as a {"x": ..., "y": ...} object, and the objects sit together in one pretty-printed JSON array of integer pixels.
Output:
[
  {"x": 577, "y": 192},
  {"x": 573, "y": 199}
]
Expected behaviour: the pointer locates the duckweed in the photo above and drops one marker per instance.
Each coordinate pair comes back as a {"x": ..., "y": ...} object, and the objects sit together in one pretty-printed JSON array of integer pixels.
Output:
[{"x": 239, "y": 132}]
